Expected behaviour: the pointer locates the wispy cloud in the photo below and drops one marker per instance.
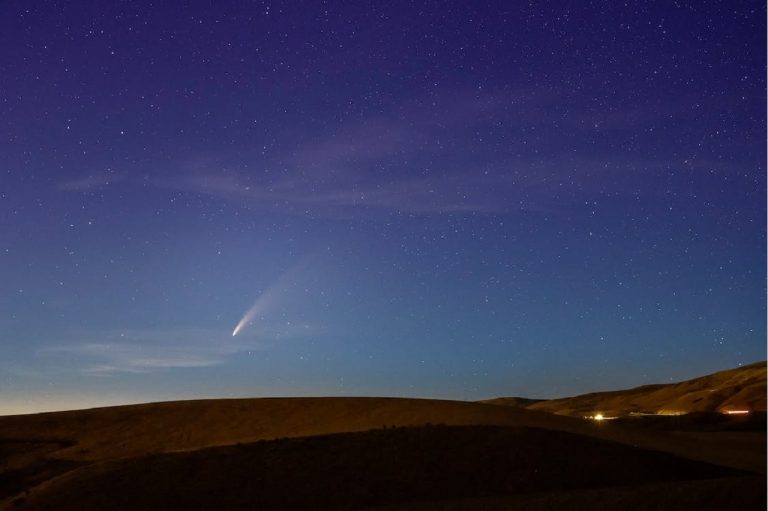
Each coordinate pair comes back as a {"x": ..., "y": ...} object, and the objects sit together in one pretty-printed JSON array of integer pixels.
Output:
[
  {"x": 471, "y": 152},
  {"x": 143, "y": 351},
  {"x": 415, "y": 161},
  {"x": 290, "y": 195}
]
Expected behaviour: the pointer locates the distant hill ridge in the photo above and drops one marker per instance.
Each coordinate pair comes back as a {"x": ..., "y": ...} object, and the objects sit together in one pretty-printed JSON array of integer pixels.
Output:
[{"x": 742, "y": 388}]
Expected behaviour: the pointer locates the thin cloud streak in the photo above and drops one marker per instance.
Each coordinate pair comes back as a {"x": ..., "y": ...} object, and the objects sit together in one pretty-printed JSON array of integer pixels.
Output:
[
  {"x": 145, "y": 351},
  {"x": 411, "y": 163}
]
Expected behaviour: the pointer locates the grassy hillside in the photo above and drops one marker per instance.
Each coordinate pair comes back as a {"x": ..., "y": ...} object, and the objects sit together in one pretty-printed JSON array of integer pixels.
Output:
[
  {"x": 114, "y": 432},
  {"x": 743, "y": 388}
]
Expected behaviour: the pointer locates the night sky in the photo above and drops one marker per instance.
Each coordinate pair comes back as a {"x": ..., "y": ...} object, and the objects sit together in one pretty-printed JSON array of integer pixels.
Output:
[{"x": 433, "y": 199}]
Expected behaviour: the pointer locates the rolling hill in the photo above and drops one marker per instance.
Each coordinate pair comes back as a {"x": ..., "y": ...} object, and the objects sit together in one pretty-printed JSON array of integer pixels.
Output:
[{"x": 743, "y": 388}]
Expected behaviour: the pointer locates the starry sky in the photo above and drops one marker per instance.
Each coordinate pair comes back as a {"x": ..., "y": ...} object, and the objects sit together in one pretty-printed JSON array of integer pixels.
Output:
[{"x": 434, "y": 199}]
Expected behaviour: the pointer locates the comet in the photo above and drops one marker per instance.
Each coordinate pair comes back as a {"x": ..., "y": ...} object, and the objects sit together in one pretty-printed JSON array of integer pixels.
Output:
[
  {"x": 246, "y": 319},
  {"x": 268, "y": 298},
  {"x": 261, "y": 304}
]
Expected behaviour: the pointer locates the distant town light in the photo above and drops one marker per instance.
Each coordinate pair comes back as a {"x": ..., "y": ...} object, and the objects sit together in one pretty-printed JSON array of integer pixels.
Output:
[
  {"x": 736, "y": 412},
  {"x": 601, "y": 417}
]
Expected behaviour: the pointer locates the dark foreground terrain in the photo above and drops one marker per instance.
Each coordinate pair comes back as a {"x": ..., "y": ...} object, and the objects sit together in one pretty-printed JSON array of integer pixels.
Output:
[
  {"x": 375, "y": 453},
  {"x": 393, "y": 467}
]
